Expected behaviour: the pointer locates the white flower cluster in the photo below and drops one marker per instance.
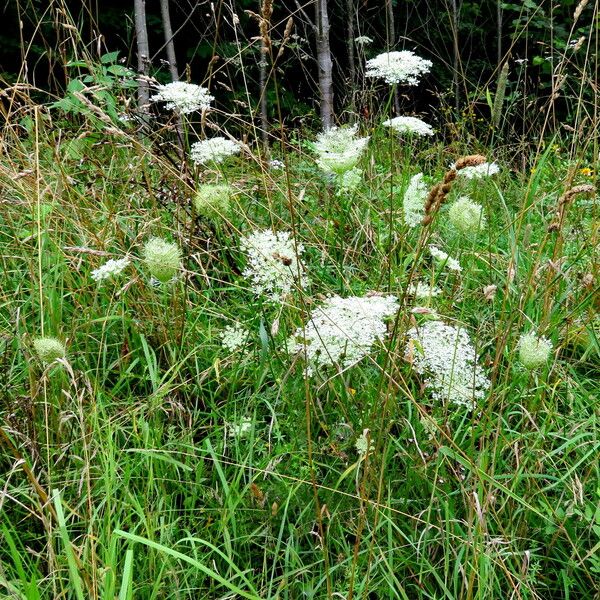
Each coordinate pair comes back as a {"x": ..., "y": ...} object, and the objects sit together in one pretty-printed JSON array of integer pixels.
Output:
[
  {"x": 411, "y": 125},
  {"x": 364, "y": 444},
  {"x": 342, "y": 331},
  {"x": 479, "y": 171},
  {"x": 422, "y": 289},
  {"x": 414, "y": 200},
  {"x": 446, "y": 356},
  {"x": 339, "y": 149},
  {"x": 273, "y": 268},
  {"x": 363, "y": 40},
  {"x": 398, "y": 67},
  {"x": 233, "y": 337},
  {"x": 215, "y": 149},
  {"x": 240, "y": 429},
  {"x": 276, "y": 164},
  {"x": 109, "y": 269},
  {"x": 444, "y": 259},
  {"x": 183, "y": 97}
]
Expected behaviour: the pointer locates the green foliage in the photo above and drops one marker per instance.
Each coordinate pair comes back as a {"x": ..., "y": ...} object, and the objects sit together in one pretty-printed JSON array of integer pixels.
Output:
[
  {"x": 104, "y": 85},
  {"x": 153, "y": 462}
]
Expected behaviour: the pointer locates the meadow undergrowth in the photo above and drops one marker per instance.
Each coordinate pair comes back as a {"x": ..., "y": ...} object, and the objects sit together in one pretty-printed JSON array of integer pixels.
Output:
[{"x": 295, "y": 379}]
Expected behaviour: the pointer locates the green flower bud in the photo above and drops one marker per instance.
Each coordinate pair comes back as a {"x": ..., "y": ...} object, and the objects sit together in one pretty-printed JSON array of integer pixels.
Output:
[
  {"x": 466, "y": 216},
  {"x": 213, "y": 201},
  {"x": 49, "y": 349},
  {"x": 162, "y": 258},
  {"x": 533, "y": 350}
]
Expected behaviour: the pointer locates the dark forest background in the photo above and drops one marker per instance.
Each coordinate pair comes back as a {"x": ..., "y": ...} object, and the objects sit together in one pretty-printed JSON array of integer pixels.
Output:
[{"x": 217, "y": 43}]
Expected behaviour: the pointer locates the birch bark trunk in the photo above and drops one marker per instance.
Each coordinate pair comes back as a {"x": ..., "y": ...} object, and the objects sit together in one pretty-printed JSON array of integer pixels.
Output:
[
  {"x": 324, "y": 62},
  {"x": 143, "y": 52},
  {"x": 168, "y": 31}
]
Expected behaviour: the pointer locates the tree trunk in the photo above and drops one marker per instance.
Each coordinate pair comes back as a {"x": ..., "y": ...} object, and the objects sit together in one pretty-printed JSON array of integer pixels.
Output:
[
  {"x": 324, "y": 62},
  {"x": 350, "y": 42},
  {"x": 168, "y": 31},
  {"x": 143, "y": 51},
  {"x": 499, "y": 30},
  {"x": 455, "y": 78}
]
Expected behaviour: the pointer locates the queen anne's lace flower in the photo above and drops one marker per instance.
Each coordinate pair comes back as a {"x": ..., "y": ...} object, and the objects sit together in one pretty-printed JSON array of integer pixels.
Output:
[
  {"x": 273, "y": 268},
  {"x": 533, "y": 350},
  {"x": 466, "y": 216},
  {"x": 234, "y": 337},
  {"x": 162, "y": 258},
  {"x": 446, "y": 356},
  {"x": 478, "y": 171},
  {"x": 213, "y": 200},
  {"x": 339, "y": 149},
  {"x": 49, "y": 349},
  {"x": 398, "y": 67},
  {"x": 183, "y": 97},
  {"x": 215, "y": 149},
  {"x": 350, "y": 180},
  {"x": 110, "y": 268},
  {"x": 342, "y": 331},
  {"x": 413, "y": 203},
  {"x": 444, "y": 259},
  {"x": 240, "y": 429},
  {"x": 363, "y": 40},
  {"x": 422, "y": 289},
  {"x": 364, "y": 444},
  {"x": 410, "y": 125}
]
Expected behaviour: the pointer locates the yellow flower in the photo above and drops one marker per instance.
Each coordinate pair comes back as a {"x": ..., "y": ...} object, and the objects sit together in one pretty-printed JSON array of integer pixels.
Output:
[{"x": 587, "y": 172}]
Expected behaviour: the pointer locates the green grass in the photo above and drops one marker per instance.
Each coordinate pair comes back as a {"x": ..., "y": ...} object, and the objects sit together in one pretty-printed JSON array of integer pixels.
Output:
[{"x": 120, "y": 478}]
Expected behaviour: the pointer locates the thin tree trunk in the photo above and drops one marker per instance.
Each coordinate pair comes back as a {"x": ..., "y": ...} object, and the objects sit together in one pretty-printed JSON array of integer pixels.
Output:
[
  {"x": 350, "y": 42},
  {"x": 168, "y": 31},
  {"x": 499, "y": 30},
  {"x": 455, "y": 81},
  {"x": 143, "y": 51},
  {"x": 324, "y": 62}
]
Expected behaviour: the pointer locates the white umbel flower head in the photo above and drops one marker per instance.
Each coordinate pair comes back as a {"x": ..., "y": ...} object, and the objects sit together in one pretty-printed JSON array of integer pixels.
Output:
[
  {"x": 183, "y": 97},
  {"x": 162, "y": 258},
  {"x": 534, "y": 351},
  {"x": 444, "y": 260},
  {"x": 49, "y": 349},
  {"x": 342, "y": 331},
  {"x": 413, "y": 204},
  {"x": 398, "y": 67},
  {"x": 363, "y": 40},
  {"x": 339, "y": 150},
  {"x": 445, "y": 355},
  {"x": 213, "y": 200},
  {"x": 466, "y": 216},
  {"x": 234, "y": 337},
  {"x": 410, "y": 125},
  {"x": 422, "y": 289},
  {"x": 110, "y": 268},
  {"x": 485, "y": 169},
  {"x": 215, "y": 149},
  {"x": 273, "y": 268},
  {"x": 240, "y": 429}
]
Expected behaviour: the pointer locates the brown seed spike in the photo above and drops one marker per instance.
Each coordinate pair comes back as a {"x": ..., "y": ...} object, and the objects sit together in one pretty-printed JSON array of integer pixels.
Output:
[{"x": 471, "y": 160}]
